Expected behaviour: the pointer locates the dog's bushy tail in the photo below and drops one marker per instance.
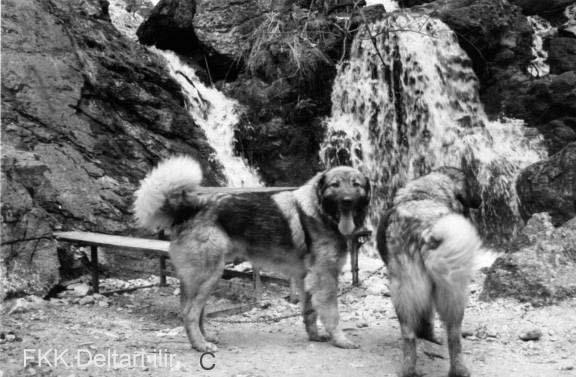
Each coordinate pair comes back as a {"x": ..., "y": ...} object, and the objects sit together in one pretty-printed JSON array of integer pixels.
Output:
[
  {"x": 456, "y": 246},
  {"x": 180, "y": 173}
]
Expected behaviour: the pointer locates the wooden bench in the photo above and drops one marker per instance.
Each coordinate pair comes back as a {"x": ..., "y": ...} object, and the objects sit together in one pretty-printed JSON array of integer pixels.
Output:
[{"x": 160, "y": 247}]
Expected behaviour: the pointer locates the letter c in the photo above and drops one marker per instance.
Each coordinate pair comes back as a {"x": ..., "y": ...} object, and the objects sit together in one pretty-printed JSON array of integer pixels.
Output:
[{"x": 205, "y": 367}]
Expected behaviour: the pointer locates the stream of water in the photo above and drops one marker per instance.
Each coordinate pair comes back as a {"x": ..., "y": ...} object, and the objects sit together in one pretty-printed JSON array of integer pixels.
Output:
[
  {"x": 215, "y": 113},
  {"x": 407, "y": 102}
]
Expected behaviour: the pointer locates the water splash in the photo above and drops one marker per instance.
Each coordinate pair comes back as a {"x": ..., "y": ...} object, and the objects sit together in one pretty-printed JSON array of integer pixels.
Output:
[
  {"x": 411, "y": 105},
  {"x": 389, "y": 5},
  {"x": 215, "y": 113},
  {"x": 541, "y": 29}
]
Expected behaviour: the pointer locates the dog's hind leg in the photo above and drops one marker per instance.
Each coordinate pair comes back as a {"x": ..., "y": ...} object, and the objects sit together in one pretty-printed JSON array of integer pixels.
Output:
[
  {"x": 194, "y": 294},
  {"x": 450, "y": 300},
  {"x": 411, "y": 292},
  {"x": 199, "y": 261}
]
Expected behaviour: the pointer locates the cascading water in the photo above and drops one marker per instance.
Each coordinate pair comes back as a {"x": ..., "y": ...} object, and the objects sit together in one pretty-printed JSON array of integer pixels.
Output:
[
  {"x": 407, "y": 102},
  {"x": 542, "y": 28},
  {"x": 215, "y": 113},
  {"x": 218, "y": 116}
]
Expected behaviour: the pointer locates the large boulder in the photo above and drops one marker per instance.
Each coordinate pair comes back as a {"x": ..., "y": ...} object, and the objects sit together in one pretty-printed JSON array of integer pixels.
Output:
[
  {"x": 542, "y": 268},
  {"x": 170, "y": 27},
  {"x": 562, "y": 54},
  {"x": 212, "y": 32},
  {"x": 85, "y": 114},
  {"x": 494, "y": 34},
  {"x": 550, "y": 186},
  {"x": 286, "y": 85},
  {"x": 549, "y": 8}
]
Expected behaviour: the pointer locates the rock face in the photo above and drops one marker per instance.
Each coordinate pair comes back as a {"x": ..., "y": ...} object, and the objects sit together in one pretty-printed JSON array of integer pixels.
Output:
[
  {"x": 498, "y": 39},
  {"x": 550, "y": 186},
  {"x": 545, "y": 8},
  {"x": 494, "y": 34},
  {"x": 562, "y": 52},
  {"x": 170, "y": 27},
  {"x": 275, "y": 58},
  {"x": 211, "y": 32},
  {"x": 542, "y": 269},
  {"x": 85, "y": 114}
]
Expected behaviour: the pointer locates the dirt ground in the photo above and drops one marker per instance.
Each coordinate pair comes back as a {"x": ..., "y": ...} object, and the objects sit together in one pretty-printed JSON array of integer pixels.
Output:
[{"x": 110, "y": 336}]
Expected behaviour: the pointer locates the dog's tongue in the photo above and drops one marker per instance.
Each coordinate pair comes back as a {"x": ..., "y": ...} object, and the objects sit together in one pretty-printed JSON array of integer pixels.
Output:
[{"x": 346, "y": 225}]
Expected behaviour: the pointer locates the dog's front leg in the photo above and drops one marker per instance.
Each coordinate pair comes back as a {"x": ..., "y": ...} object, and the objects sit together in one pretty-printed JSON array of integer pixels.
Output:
[
  {"x": 322, "y": 283},
  {"x": 308, "y": 312}
]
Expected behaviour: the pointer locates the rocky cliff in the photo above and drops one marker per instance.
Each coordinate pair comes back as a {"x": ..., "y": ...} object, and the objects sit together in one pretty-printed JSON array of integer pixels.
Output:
[{"x": 85, "y": 113}]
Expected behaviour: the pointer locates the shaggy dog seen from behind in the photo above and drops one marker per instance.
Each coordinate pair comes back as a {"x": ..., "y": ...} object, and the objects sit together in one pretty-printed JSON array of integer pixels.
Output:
[
  {"x": 301, "y": 233},
  {"x": 430, "y": 249}
]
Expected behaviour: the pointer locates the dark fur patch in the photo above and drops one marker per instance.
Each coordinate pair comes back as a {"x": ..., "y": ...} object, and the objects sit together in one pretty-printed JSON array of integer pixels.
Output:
[{"x": 256, "y": 218}]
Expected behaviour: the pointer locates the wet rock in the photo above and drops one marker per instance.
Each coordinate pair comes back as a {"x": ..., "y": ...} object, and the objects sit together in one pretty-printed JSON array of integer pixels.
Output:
[
  {"x": 85, "y": 114},
  {"x": 376, "y": 286},
  {"x": 559, "y": 133},
  {"x": 541, "y": 270},
  {"x": 550, "y": 186},
  {"x": 542, "y": 8},
  {"x": 79, "y": 290},
  {"x": 86, "y": 300},
  {"x": 539, "y": 101},
  {"x": 531, "y": 334},
  {"x": 23, "y": 305},
  {"x": 487, "y": 29},
  {"x": 562, "y": 54},
  {"x": 214, "y": 30},
  {"x": 362, "y": 324},
  {"x": 170, "y": 27}
]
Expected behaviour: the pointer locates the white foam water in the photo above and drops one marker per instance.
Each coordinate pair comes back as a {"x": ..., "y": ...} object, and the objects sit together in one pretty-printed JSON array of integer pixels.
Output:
[
  {"x": 389, "y": 5},
  {"x": 218, "y": 116},
  {"x": 215, "y": 113},
  {"x": 541, "y": 29},
  {"x": 407, "y": 102}
]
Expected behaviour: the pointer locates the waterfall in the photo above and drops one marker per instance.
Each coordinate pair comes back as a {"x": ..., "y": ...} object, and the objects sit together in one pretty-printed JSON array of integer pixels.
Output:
[
  {"x": 215, "y": 113},
  {"x": 541, "y": 29},
  {"x": 410, "y": 105}
]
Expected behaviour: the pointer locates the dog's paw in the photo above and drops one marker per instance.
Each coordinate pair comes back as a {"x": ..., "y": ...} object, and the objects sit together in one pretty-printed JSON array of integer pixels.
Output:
[
  {"x": 206, "y": 347},
  {"x": 318, "y": 338},
  {"x": 459, "y": 371},
  {"x": 211, "y": 339},
  {"x": 341, "y": 341}
]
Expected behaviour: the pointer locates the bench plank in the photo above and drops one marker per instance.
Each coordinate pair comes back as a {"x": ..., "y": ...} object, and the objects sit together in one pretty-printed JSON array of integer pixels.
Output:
[
  {"x": 98, "y": 239},
  {"x": 239, "y": 190}
]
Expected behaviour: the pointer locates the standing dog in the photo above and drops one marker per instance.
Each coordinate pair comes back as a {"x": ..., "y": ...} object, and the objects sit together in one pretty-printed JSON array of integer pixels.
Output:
[
  {"x": 300, "y": 233},
  {"x": 429, "y": 249}
]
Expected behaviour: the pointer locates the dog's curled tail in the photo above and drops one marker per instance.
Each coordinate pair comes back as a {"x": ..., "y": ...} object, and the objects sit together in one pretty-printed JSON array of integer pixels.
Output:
[
  {"x": 454, "y": 248},
  {"x": 179, "y": 173}
]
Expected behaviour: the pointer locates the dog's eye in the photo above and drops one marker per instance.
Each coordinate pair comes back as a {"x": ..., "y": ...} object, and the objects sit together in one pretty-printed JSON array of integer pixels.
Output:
[
  {"x": 335, "y": 184},
  {"x": 356, "y": 184}
]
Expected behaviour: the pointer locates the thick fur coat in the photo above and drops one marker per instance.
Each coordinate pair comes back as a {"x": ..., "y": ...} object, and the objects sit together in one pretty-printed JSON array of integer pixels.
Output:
[
  {"x": 301, "y": 233},
  {"x": 430, "y": 249}
]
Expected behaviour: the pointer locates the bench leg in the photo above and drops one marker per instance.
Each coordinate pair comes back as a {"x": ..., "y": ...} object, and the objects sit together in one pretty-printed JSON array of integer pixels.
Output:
[
  {"x": 94, "y": 265},
  {"x": 257, "y": 285},
  {"x": 354, "y": 245},
  {"x": 163, "y": 271}
]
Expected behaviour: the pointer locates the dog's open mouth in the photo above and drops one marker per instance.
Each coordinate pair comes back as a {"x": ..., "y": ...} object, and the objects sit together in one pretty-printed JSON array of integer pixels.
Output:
[{"x": 346, "y": 223}]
